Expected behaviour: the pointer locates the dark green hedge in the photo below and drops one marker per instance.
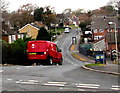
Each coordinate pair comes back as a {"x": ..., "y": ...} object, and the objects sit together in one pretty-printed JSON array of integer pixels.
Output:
[{"x": 15, "y": 53}]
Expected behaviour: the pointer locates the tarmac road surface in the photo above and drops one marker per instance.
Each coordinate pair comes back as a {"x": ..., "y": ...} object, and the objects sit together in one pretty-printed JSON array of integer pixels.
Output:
[{"x": 68, "y": 77}]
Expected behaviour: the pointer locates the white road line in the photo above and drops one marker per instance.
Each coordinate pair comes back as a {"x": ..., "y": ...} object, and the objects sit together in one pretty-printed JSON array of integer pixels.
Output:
[
  {"x": 28, "y": 66},
  {"x": 1, "y": 70},
  {"x": 115, "y": 87},
  {"x": 9, "y": 79},
  {"x": 27, "y": 82},
  {"x": 33, "y": 81},
  {"x": 58, "y": 82},
  {"x": 18, "y": 68},
  {"x": 87, "y": 85},
  {"x": 47, "y": 84},
  {"x": 61, "y": 84}
]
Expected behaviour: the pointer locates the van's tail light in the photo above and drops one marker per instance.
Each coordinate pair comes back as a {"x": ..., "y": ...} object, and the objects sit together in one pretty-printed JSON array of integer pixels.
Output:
[{"x": 45, "y": 52}]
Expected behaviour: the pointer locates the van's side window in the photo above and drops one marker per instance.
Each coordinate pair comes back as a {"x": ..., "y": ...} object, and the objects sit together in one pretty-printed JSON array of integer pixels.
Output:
[{"x": 57, "y": 48}]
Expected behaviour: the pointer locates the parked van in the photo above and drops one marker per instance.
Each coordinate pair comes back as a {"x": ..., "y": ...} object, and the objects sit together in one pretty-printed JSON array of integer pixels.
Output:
[{"x": 44, "y": 51}]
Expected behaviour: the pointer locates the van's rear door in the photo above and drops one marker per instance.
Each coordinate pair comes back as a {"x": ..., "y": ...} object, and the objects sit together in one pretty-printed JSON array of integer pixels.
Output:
[
  {"x": 37, "y": 47},
  {"x": 37, "y": 50}
]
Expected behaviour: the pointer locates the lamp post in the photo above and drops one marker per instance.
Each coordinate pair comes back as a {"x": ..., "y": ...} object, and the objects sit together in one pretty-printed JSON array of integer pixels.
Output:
[{"x": 112, "y": 23}]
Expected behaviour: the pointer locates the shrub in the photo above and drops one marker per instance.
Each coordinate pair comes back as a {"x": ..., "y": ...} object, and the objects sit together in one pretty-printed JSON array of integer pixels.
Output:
[{"x": 15, "y": 53}]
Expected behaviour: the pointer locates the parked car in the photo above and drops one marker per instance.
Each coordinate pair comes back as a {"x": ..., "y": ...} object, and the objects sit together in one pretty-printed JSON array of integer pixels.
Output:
[
  {"x": 67, "y": 30},
  {"x": 44, "y": 51}
]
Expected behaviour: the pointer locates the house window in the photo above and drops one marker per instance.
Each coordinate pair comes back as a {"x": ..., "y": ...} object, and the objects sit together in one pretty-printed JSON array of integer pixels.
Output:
[
  {"x": 19, "y": 36},
  {"x": 28, "y": 30},
  {"x": 22, "y": 36},
  {"x": 9, "y": 39},
  {"x": 13, "y": 37}
]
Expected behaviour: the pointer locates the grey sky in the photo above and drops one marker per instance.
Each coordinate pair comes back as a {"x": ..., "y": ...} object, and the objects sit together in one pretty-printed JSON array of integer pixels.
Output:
[{"x": 59, "y": 5}]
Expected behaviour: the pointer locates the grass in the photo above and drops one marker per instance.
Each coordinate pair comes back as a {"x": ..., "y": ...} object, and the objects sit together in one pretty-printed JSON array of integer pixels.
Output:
[
  {"x": 78, "y": 57},
  {"x": 93, "y": 64}
]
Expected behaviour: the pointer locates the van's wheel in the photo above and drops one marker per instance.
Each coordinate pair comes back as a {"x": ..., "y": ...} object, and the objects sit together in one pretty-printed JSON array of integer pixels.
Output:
[
  {"x": 50, "y": 61},
  {"x": 60, "y": 63}
]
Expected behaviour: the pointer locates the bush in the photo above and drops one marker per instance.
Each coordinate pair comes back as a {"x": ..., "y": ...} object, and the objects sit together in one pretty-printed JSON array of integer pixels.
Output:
[
  {"x": 5, "y": 50},
  {"x": 15, "y": 53}
]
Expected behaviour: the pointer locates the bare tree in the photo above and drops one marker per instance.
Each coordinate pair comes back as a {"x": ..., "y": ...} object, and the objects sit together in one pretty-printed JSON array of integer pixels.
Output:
[
  {"x": 3, "y": 5},
  {"x": 23, "y": 16}
]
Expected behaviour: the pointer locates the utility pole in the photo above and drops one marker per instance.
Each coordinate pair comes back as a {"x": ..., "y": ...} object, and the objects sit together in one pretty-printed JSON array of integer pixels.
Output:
[{"x": 110, "y": 23}]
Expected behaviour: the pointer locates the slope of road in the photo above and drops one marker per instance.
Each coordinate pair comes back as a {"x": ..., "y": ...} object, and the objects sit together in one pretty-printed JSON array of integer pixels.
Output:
[{"x": 68, "y": 77}]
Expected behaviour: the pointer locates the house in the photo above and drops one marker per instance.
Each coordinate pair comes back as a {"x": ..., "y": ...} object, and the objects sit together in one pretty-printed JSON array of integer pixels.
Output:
[
  {"x": 101, "y": 29},
  {"x": 10, "y": 36},
  {"x": 100, "y": 25},
  {"x": 99, "y": 45},
  {"x": 32, "y": 29},
  {"x": 110, "y": 40}
]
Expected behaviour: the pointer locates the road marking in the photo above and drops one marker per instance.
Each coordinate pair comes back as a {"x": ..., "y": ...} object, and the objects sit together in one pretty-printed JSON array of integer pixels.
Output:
[
  {"x": 27, "y": 82},
  {"x": 18, "y": 68},
  {"x": 28, "y": 66},
  {"x": 1, "y": 70},
  {"x": 115, "y": 87},
  {"x": 87, "y": 85},
  {"x": 60, "y": 84},
  {"x": 9, "y": 79}
]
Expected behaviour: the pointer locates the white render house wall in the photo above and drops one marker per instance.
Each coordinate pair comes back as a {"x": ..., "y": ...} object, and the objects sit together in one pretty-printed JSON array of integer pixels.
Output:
[{"x": 100, "y": 45}]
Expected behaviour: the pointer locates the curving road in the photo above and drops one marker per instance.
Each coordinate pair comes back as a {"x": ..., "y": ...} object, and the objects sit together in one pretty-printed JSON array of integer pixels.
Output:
[{"x": 68, "y": 77}]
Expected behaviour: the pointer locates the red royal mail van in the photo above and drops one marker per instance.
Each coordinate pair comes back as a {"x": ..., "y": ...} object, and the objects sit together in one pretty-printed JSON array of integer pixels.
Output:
[{"x": 44, "y": 51}]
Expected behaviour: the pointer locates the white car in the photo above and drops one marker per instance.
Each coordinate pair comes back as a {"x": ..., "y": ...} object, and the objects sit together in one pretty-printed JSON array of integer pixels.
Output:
[{"x": 67, "y": 30}]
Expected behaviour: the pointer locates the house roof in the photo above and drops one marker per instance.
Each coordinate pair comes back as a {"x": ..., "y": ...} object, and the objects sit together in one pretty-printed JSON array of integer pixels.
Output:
[
  {"x": 29, "y": 25},
  {"x": 100, "y": 23}
]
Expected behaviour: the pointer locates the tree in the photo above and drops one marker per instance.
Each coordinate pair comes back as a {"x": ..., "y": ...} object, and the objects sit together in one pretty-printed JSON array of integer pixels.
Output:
[
  {"x": 38, "y": 14},
  {"x": 23, "y": 16},
  {"x": 78, "y": 12},
  {"x": 45, "y": 15},
  {"x": 5, "y": 16},
  {"x": 83, "y": 26},
  {"x": 3, "y": 5},
  {"x": 43, "y": 34}
]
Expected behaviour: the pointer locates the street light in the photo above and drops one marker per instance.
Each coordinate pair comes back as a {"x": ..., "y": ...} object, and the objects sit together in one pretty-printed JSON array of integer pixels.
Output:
[{"x": 112, "y": 23}]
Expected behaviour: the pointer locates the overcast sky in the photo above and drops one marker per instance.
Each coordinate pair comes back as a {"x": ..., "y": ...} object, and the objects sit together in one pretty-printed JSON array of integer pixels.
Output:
[{"x": 59, "y": 5}]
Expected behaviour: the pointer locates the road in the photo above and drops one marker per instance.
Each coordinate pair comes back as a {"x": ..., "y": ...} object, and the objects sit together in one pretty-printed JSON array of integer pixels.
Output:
[{"x": 68, "y": 77}]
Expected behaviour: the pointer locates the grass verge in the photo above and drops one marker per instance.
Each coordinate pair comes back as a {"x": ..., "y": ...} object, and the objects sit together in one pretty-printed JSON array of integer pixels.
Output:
[
  {"x": 93, "y": 64},
  {"x": 78, "y": 57}
]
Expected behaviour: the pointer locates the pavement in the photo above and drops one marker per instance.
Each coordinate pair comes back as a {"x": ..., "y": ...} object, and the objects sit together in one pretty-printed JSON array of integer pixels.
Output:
[{"x": 108, "y": 68}]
